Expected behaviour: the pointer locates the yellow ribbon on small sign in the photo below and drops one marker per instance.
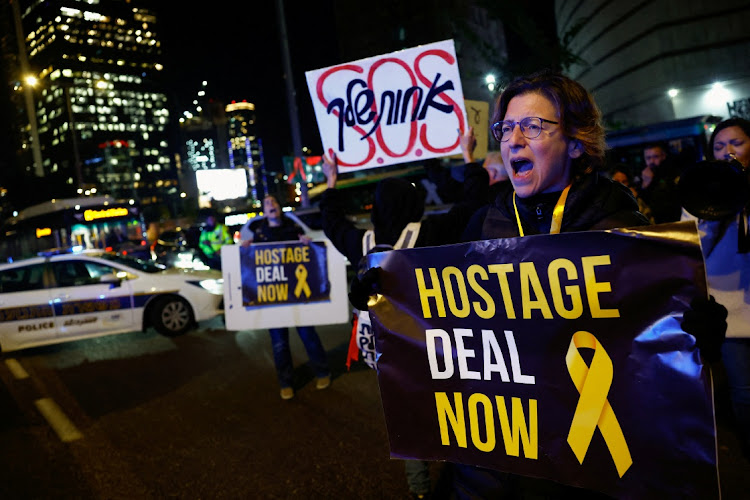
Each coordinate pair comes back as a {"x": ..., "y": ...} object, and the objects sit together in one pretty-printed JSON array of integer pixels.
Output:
[
  {"x": 593, "y": 408},
  {"x": 301, "y": 274}
]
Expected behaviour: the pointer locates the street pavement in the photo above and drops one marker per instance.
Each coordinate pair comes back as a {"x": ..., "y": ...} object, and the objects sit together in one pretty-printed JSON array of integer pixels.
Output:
[{"x": 200, "y": 417}]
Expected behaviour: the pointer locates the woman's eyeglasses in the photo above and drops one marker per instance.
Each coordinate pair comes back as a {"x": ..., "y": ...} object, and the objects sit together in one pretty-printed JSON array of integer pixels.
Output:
[{"x": 531, "y": 127}]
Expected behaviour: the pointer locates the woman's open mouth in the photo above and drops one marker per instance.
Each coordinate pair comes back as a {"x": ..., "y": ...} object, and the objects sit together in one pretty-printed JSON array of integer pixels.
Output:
[{"x": 521, "y": 167}]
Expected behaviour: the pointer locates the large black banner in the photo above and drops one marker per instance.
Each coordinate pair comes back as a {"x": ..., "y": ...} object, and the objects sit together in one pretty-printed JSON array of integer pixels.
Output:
[{"x": 556, "y": 356}]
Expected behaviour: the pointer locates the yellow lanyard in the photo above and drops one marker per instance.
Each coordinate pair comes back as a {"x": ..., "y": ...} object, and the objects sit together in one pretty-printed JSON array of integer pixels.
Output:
[{"x": 557, "y": 213}]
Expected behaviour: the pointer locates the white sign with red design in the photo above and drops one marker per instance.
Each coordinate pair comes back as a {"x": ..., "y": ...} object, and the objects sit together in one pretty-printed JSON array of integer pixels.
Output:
[{"x": 389, "y": 109}]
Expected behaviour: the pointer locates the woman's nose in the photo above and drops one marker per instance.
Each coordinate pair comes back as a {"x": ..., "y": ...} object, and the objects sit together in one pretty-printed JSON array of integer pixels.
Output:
[{"x": 516, "y": 136}]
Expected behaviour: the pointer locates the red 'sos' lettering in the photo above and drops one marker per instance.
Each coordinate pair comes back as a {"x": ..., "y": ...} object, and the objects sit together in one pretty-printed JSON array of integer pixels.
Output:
[
  {"x": 340, "y": 114},
  {"x": 354, "y": 111},
  {"x": 394, "y": 108},
  {"x": 426, "y": 81}
]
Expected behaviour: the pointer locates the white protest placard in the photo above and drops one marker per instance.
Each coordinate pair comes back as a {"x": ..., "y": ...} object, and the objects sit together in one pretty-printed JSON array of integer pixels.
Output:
[
  {"x": 393, "y": 108},
  {"x": 268, "y": 310}
]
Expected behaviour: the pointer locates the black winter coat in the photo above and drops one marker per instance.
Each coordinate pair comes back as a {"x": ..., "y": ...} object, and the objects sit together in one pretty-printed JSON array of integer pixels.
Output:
[
  {"x": 594, "y": 202},
  {"x": 436, "y": 229}
]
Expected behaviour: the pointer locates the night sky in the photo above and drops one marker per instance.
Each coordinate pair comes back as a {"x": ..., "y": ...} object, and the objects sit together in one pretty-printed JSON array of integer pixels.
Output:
[{"x": 236, "y": 48}]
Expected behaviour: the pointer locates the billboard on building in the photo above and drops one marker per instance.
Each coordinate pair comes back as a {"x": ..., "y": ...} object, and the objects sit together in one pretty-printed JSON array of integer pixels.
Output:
[{"x": 221, "y": 184}]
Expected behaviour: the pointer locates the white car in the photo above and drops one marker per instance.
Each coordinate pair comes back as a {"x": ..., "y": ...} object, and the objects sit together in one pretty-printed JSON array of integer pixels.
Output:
[{"x": 64, "y": 297}]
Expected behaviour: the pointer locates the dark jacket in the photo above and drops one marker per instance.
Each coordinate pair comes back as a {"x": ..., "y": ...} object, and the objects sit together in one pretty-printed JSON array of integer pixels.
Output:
[
  {"x": 263, "y": 232},
  {"x": 662, "y": 194},
  {"x": 397, "y": 203},
  {"x": 594, "y": 202}
]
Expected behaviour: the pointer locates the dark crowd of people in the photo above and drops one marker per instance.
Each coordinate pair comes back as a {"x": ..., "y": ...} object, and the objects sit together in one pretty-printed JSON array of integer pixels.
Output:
[{"x": 549, "y": 175}]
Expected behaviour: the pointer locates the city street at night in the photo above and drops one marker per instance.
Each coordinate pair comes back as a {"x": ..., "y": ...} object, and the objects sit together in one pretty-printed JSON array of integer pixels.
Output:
[
  {"x": 199, "y": 416},
  {"x": 528, "y": 220}
]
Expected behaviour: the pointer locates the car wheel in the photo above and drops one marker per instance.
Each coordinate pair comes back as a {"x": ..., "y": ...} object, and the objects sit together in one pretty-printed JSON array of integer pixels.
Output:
[{"x": 172, "y": 316}]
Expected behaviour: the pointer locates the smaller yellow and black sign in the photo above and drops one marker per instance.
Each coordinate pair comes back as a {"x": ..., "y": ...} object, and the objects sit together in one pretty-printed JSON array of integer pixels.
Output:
[{"x": 284, "y": 273}]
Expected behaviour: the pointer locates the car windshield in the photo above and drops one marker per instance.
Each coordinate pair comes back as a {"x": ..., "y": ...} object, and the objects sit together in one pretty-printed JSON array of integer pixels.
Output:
[{"x": 147, "y": 266}]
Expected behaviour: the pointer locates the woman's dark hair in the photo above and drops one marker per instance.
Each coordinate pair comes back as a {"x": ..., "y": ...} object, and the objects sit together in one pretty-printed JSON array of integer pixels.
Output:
[
  {"x": 729, "y": 122},
  {"x": 579, "y": 118}
]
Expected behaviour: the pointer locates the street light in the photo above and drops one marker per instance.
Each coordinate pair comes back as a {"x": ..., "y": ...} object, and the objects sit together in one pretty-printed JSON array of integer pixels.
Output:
[
  {"x": 27, "y": 91},
  {"x": 29, "y": 82},
  {"x": 490, "y": 81}
]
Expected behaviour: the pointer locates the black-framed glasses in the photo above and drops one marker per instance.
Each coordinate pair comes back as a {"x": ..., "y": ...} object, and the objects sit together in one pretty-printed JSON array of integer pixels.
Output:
[{"x": 531, "y": 127}]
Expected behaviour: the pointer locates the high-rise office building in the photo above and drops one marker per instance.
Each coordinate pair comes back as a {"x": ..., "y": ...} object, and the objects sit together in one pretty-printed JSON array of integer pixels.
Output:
[
  {"x": 649, "y": 62},
  {"x": 87, "y": 74},
  {"x": 215, "y": 136},
  {"x": 244, "y": 146},
  {"x": 204, "y": 133}
]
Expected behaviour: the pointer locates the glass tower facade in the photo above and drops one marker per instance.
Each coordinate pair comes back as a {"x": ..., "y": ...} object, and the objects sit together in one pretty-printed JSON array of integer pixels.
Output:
[
  {"x": 245, "y": 149},
  {"x": 101, "y": 114}
]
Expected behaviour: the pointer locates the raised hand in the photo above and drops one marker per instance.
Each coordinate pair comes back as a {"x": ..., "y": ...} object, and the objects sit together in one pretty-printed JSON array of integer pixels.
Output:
[
  {"x": 468, "y": 143},
  {"x": 331, "y": 170}
]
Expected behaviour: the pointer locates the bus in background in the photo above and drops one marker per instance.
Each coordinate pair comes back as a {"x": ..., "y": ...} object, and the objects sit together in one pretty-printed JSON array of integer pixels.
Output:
[
  {"x": 100, "y": 222},
  {"x": 686, "y": 139}
]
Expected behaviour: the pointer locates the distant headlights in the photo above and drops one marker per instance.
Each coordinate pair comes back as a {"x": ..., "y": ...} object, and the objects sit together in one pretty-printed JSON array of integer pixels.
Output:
[{"x": 215, "y": 287}]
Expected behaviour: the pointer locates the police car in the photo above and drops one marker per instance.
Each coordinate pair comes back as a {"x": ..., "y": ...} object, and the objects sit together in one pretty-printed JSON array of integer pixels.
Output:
[{"x": 60, "y": 297}]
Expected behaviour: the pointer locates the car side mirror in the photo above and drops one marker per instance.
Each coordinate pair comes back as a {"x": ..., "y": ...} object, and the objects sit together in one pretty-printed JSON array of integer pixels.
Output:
[{"x": 112, "y": 279}]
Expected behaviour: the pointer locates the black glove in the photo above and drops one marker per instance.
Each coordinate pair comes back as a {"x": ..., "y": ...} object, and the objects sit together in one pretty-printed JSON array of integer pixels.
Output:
[
  {"x": 706, "y": 320},
  {"x": 363, "y": 285}
]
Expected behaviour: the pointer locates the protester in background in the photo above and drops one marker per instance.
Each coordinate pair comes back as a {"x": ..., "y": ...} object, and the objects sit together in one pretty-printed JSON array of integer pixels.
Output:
[
  {"x": 619, "y": 174},
  {"x": 275, "y": 227},
  {"x": 397, "y": 220},
  {"x": 214, "y": 235},
  {"x": 659, "y": 184},
  {"x": 116, "y": 237},
  {"x": 493, "y": 164},
  {"x": 727, "y": 266}
]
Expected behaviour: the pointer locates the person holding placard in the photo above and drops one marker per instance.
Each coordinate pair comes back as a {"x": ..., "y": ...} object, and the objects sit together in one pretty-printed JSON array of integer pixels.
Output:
[
  {"x": 272, "y": 228},
  {"x": 726, "y": 247},
  {"x": 552, "y": 145}
]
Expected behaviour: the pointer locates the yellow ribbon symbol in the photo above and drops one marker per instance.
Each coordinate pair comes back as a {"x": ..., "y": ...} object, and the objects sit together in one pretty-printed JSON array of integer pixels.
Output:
[
  {"x": 593, "y": 409},
  {"x": 301, "y": 274}
]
